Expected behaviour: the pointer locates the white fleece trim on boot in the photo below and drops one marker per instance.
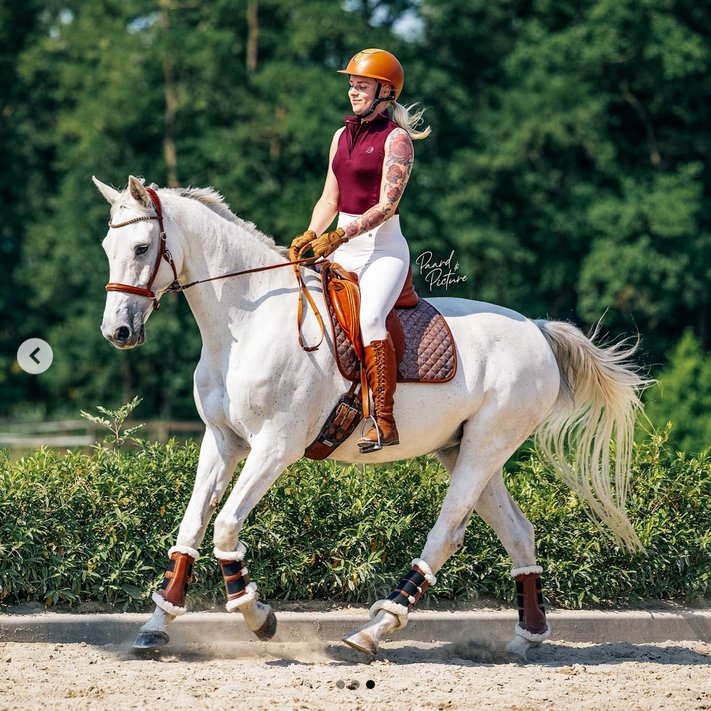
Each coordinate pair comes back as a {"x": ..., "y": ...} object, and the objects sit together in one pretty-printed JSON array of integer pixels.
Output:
[
  {"x": 184, "y": 549},
  {"x": 237, "y": 554},
  {"x": 429, "y": 575},
  {"x": 400, "y": 611},
  {"x": 526, "y": 570},
  {"x": 251, "y": 594},
  {"x": 531, "y": 636},
  {"x": 166, "y": 606}
]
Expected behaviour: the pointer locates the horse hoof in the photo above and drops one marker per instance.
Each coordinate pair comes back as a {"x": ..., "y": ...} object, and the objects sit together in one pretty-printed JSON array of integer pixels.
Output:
[
  {"x": 150, "y": 640},
  {"x": 362, "y": 642},
  {"x": 519, "y": 646},
  {"x": 268, "y": 629}
]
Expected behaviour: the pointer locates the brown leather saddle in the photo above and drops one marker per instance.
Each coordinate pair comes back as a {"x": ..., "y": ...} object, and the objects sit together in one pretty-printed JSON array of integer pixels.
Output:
[{"x": 423, "y": 342}]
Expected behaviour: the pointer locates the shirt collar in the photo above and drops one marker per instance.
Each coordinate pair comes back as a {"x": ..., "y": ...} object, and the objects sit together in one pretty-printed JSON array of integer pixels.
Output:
[{"x": 355, "y": 120}]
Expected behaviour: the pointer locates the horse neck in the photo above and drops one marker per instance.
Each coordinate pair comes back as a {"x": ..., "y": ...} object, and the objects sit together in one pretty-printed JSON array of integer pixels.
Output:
[{"x": 214, "y": 246}]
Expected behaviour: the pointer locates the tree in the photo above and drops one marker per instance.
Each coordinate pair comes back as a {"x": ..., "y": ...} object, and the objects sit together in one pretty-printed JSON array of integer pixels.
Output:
[
  {"x": 571, "y": 179},
  {"x": 25, "y": 114},
  {"x": 567, "y": 169},
  {"x": 172, "y": 94}
]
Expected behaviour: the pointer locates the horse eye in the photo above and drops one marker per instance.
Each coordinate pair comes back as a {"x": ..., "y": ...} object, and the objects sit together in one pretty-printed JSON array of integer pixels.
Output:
[{"x": 141, "y": 249}]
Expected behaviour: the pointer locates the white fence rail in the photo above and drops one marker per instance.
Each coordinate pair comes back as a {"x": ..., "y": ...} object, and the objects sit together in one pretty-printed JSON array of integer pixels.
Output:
[{"x": 62, "y": 434}]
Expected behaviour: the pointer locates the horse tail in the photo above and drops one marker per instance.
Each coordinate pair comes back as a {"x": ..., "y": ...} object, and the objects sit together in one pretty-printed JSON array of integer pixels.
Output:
[{"x": 595, "y": 413}]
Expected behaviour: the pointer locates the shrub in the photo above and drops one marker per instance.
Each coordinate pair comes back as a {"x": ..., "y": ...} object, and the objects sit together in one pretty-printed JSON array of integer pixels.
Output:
[
  {"x": 683, "y": 396},
  {"x": 96, "y": 527}
]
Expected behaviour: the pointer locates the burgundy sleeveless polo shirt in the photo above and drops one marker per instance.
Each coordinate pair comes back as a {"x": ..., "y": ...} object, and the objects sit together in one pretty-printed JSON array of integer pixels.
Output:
[{"x": 358, "y": 162}]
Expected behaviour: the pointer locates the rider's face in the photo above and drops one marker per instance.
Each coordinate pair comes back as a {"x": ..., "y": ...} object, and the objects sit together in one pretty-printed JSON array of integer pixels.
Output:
[{"x": 362, "y": 93}]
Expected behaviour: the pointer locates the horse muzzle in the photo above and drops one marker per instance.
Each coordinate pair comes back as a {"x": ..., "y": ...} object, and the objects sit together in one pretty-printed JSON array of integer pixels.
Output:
[{"x": 124, "y": 337}]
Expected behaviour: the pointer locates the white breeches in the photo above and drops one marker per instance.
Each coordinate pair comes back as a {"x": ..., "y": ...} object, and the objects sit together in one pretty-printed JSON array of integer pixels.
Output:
[{"x": 381, "y": 259}]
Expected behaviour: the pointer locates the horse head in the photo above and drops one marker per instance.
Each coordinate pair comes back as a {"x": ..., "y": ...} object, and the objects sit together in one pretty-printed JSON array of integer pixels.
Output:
[{"x": 141, "y": 266}]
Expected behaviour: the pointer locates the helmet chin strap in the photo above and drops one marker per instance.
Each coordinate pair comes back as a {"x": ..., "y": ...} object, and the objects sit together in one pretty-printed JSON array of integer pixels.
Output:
[{"x": 377, "y": 100}]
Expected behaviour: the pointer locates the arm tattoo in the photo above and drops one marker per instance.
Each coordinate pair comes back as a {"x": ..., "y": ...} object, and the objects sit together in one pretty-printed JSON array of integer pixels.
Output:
[{"x": 399, "y": 156}]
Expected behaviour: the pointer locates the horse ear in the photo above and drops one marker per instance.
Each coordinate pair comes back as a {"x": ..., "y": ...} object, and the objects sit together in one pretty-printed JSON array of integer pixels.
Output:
[
  {"x": 107, "y": 191},
  {"x": 138, "y": 192}
]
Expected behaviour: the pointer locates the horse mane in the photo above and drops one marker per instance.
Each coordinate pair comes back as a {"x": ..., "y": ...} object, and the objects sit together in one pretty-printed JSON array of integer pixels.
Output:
[{"x": 217, "y": 203}]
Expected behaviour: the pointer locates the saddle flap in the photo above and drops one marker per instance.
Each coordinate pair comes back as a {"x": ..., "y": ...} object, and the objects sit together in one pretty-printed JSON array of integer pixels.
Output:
[
  {"x": 344, "y": 295},
  {"x": 394, "y": 326}
]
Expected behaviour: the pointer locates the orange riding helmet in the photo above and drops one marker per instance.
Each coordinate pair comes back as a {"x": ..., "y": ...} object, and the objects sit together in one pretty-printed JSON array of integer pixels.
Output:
[{"x": 379, "y": 65}]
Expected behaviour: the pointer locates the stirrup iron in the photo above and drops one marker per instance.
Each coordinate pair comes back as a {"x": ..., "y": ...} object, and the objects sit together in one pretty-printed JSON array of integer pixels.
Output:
[{"x": 367, "y": 447}]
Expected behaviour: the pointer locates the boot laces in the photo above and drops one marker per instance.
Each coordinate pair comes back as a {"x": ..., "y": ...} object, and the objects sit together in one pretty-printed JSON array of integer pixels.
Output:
[{"x": 380, "y": 367}]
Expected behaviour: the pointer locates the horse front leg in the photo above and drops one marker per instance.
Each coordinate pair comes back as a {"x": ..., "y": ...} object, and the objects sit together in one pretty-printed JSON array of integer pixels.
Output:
[
  {"x": 263, "y": 467},
  {"x": 219, "y": 454}
]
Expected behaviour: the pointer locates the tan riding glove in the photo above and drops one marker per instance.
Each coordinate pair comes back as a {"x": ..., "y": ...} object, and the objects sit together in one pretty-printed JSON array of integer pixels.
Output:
[
  {"x": 328, "y": 242},
  {"x": 300, "y": 241}
]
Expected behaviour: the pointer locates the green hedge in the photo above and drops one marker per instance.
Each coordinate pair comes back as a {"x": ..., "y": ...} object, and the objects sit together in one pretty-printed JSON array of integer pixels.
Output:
[{"x": 79, "y": 527}]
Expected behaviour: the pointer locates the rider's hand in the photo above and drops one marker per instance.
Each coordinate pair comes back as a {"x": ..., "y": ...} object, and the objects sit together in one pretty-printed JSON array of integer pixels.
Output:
[
  {"x": 300, "y": 241},
  {"x": 328, "y": 242}
]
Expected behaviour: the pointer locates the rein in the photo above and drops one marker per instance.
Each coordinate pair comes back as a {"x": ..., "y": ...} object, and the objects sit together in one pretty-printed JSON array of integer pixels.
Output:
[{"x": 176, "y": 287}]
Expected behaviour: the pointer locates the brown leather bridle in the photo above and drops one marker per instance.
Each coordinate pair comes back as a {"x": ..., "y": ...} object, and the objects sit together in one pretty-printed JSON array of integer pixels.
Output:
[
  {"x": 163, "y": 253},
  {"x": 176, "y": 286}
]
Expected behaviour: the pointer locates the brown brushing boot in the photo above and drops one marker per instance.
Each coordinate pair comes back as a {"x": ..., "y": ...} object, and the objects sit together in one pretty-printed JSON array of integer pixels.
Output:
[
  {"x": 381, "y": 371},
  {"x": 532, "y": 623}
]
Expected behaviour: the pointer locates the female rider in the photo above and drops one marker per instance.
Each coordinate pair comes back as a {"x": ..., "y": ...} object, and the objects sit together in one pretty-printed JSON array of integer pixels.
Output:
[{"x": 369, "y": 165}]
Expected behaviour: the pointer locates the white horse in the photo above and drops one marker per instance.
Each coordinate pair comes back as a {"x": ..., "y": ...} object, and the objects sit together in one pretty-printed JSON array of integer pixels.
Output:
[{"x": 261, "y": 396}]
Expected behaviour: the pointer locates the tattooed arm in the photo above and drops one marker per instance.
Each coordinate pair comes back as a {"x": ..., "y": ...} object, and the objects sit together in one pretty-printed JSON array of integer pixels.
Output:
[{"x": 397, "y": 165}]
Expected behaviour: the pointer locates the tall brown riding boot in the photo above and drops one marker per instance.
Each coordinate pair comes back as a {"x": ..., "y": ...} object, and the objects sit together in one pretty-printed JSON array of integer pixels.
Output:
[{"x": 381, "y": 371}]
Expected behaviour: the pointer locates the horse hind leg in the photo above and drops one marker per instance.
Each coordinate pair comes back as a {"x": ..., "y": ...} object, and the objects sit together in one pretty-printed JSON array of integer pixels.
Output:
[
  {"x": 500, "y": 511},
  {"x": 391, "y": 614},
  {"x": 472, "y": 464}
]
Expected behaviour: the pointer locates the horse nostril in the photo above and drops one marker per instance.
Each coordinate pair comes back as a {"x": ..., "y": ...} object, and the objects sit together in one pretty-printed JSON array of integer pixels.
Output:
[{"x": 121, "y": 334}]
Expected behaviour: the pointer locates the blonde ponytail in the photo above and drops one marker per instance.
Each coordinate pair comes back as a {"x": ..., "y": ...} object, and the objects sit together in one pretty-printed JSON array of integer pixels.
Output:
[{"x": 408, "y": 118}]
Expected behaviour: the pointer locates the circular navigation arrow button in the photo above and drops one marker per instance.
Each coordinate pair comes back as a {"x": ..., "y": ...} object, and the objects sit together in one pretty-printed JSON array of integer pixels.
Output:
[{"x": 35, "y": 356}]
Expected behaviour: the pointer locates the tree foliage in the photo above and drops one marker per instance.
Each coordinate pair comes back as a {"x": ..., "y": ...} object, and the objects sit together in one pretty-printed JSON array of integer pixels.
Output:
[{"x": 568, "y": 168}]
